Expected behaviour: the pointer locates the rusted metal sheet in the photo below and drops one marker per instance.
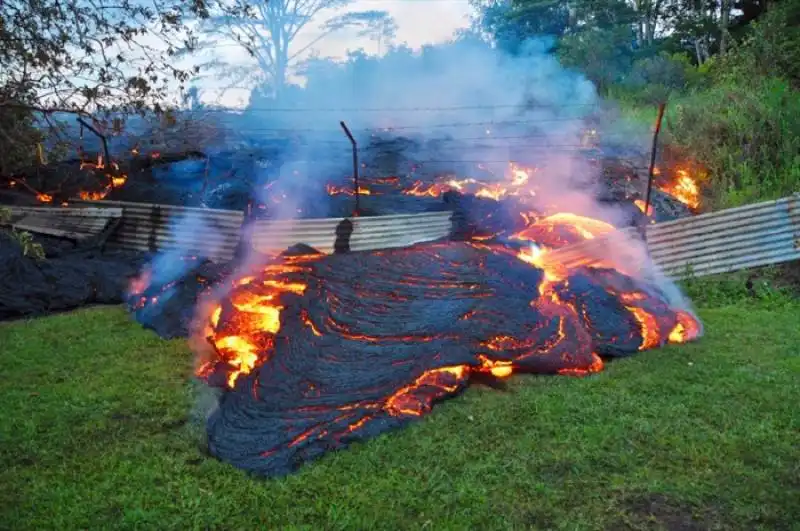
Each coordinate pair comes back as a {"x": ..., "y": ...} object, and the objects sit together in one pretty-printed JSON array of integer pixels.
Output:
[
  {"x": 74, "y": 224},
  {"x": 192, "y": 231}
]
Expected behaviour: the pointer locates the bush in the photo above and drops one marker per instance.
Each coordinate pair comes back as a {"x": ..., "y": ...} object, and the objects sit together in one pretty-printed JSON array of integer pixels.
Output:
[
  {"x": 746, "y": 134},
  {"x": 23, "y": 238},
  {"x": 762, "y": 285},
  {"x": 29, "y": 247},
  {"x": 18, "y": 143}
]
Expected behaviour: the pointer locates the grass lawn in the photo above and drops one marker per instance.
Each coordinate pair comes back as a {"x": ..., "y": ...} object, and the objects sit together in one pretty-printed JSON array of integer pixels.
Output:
[{"x": 95, "y": 433}]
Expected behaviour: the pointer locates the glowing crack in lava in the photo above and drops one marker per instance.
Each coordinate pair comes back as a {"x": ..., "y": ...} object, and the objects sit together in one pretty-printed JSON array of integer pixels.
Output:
[
  {"x": 318, "y": 351},
  {"x": 516, "y": 183}
]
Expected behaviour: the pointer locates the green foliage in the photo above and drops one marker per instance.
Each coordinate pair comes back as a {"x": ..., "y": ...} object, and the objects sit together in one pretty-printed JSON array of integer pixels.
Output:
[
  {"x": 71, "y": 56},
  {"x": 5, "y": 215},
  {"x": 734, "y": 107},
  {"x": 771, "y": 49},
  {"x": 654, "y": 79},
  {"x": 601, "y": 54},
  {"x": 30, "y": 248},
  {"x": 747, "y": 134}
]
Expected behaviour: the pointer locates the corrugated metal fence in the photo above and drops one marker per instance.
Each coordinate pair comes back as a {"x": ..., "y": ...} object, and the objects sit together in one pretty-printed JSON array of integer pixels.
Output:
[
  {"x": 216, "y": 233},
  {"x": 194, "y": 231},
  {"x": 729, "y": 240}
]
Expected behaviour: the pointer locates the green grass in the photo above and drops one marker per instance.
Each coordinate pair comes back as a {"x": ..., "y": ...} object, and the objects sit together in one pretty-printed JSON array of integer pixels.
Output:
[{"x": 95, "y": 433}]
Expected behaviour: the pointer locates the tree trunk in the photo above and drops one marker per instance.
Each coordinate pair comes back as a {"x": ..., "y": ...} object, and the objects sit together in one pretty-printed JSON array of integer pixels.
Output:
[{"x": 281, "y": 66}]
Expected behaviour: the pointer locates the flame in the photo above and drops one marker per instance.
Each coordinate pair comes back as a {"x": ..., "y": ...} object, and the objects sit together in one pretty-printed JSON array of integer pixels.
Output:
[
  {"x": 111, "y": 172},
  {"x": 687, "y": 329},
  {"x": 640, "y": 204},
  {"x": 420, "y": 190},
  {"x": 44, "y": 198},
  {"x": 94, "y": 196},
  {"x": 683, "y": 188}
]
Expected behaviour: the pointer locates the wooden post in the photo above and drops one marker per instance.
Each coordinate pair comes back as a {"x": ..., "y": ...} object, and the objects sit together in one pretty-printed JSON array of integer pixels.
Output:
[{"x": 651, "y": 169}]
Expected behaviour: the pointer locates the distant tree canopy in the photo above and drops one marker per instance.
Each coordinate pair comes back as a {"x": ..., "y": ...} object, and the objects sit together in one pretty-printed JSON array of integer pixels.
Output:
[{"x": 640, "y": 41}]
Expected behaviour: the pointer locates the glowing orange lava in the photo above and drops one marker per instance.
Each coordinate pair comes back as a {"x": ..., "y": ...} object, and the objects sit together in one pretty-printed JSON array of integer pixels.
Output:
[
  {"x": 258, "y": 318},
  {"x": 515, "y": 183},
  {"x": 551, "y": 231},
  {"x": 640, "y": 205},
  {"x": 336, "y": 190},
  {"x": 405, "y": 402}
]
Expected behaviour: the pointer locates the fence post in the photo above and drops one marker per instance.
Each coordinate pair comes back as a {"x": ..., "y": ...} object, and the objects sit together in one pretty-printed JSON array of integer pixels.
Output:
[
  {"x": 651, "y": 169},
  {"x": 357, "y": 210}
]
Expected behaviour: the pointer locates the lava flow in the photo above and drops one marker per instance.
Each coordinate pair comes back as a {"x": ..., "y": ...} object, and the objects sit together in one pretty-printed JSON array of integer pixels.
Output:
[{"x": 315, "y": 351}]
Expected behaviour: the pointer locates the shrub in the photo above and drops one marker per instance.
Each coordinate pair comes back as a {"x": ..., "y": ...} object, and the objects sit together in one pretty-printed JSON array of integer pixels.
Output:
[
  {"x": 746, "y": 134},
  {"x": 29, "y": 247}
]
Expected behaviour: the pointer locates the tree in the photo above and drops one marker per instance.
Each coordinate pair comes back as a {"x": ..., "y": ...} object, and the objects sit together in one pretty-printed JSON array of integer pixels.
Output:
[
  {"x": 267, "y": 30},
  {"x": 85, "y": 57}
]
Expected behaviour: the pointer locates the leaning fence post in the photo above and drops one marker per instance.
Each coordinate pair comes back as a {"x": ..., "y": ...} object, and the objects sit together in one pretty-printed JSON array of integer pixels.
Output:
[
  {"x": 357, "y": 210},
  {"x": 651, "y": 169}
]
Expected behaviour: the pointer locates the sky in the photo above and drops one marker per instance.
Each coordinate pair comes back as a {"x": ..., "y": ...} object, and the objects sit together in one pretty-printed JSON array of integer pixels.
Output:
[{"x": 419, "y": 22}]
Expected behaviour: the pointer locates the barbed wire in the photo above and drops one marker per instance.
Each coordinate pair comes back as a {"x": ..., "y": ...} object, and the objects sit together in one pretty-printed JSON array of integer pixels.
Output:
[
  {"x": 390, "y": 129},
  {"x": 388, "y": 109}
]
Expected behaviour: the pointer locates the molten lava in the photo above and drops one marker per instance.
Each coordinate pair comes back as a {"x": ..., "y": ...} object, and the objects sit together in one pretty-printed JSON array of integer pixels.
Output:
[
  {"x": 316, "y": 351},
  {"x": 336, "y": 190},
  {"x": 516, "y": 182}
]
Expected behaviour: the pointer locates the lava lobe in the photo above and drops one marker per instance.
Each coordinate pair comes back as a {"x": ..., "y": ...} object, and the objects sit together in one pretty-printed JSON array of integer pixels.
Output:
[{"x": 319, "y": 351}]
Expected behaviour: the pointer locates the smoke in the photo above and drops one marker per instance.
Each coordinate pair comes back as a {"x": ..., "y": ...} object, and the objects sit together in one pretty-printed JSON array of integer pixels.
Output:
[
  {"x": 191, "y": 236},
  {"x": 459, "y": 104}
]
